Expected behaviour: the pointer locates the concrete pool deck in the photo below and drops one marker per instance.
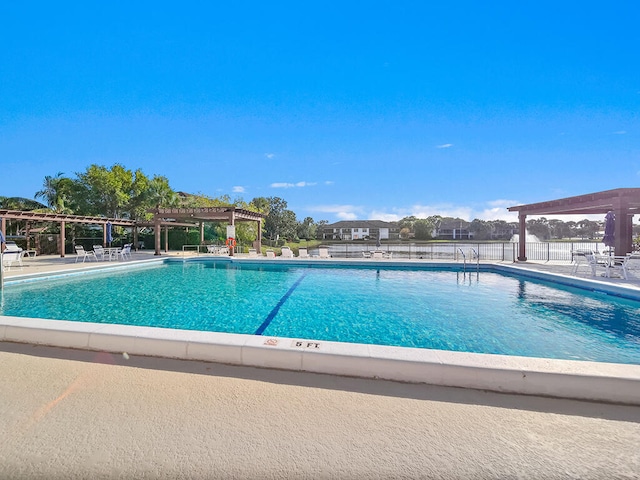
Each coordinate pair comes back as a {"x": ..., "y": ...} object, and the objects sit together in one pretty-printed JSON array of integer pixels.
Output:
[
  {"x": 79, "y": 414},
  {"x": 69, "y": 413}
]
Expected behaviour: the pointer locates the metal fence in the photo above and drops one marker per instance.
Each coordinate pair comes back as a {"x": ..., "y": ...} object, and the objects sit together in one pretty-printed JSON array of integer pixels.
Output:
[{"x": 459, "y": 251}]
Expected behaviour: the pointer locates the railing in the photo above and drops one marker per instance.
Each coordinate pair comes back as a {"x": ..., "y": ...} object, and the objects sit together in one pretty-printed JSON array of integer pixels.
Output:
[{"x": 454, "y": 251}]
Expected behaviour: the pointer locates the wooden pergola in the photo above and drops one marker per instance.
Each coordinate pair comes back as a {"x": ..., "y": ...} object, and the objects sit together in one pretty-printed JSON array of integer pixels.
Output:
[
  {"x": 63, "y": 220},
  {"x": 624, "y": 202},
  {"x": 231, "y": 215}
]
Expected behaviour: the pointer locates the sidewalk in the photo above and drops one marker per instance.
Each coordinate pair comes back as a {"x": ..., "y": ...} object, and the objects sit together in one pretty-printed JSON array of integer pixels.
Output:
[{"x": 76, "y": 414}]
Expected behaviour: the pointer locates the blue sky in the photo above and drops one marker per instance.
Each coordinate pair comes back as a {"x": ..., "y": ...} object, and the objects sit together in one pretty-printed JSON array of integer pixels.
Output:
[{"x": 347, "y": 110}]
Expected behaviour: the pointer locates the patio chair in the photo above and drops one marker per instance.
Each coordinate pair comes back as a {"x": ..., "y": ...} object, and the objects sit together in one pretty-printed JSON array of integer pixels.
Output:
[
  {"x": 302, "y": 253},
  {"x": 82, "y": 253},
  {"x": 253, "y": 252},
  {"x": 126, "y": 252},
  {"x": 9, "y": 257},
  {"x": 377, "y": 254},
  {"x": 323, "y": 252},
  {"x": 286, "y": 253},
  {"x": 366, "y": 254},
  {"x": 99, "y": 251},
  {"x": 271, "y": 254}
]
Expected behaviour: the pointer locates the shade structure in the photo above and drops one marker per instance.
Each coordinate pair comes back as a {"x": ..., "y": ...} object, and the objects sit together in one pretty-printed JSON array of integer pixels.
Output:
[
  {"x": 109, "y": 234},
  {"x": 609, "y": 238}
]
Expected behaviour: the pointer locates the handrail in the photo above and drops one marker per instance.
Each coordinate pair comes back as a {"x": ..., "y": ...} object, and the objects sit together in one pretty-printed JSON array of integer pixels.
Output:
[
  {"x": 464, "y": 257},
  {"x": 475, "y": 252}
]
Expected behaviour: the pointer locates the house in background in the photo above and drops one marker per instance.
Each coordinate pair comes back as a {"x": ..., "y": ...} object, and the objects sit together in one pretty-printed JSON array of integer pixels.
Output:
[
  {"x": 453, "y": 230},
  {"x": 361, "y": 230}
]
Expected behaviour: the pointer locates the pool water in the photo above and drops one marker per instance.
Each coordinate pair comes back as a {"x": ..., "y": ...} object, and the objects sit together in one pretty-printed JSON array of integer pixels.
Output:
[{"x": 481, "y": 312}]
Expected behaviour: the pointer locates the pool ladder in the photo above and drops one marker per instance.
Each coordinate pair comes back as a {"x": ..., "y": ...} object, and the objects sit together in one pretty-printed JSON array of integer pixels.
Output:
[{"x": 473, "y": 253}]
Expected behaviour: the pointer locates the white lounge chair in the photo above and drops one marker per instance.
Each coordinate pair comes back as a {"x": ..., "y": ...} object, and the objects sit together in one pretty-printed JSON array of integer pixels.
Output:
[
  {"x": 377, "y": 254},
  {"x": 271, "y": 254},
  {"x": 9, "y": 257},
  {"x": 82, "y": 253},
  {"x": 366, "y": 254},
  {"x": 323, "y": 252},
  {"x": 287, "y": 253},
  {"x": 302, "y": 253},
  {"x": 253, "y": 252}
]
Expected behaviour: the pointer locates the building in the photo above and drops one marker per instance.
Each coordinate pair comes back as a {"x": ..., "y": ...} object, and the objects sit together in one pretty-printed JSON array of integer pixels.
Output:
[
  {"x": 361, "y": 230},
  {"x": 454, "y": 230}
]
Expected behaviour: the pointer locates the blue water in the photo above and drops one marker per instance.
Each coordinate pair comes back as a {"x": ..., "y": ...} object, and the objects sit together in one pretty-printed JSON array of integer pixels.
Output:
[{"x": 479, "y": 312}]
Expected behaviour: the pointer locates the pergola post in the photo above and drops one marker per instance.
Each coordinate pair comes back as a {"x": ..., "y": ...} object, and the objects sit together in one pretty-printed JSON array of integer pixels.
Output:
[
  {"x": 104, "y": 235},
  {"x": 62, "y": 237},
  {"x": 26, "y": 234},
  {"x": 522, "y": 239},
  {"x": 232, "y": 222},
  {"x": 166, "y": 239},
  {"x": 156, "y": 234},
  {"x": 258, "y": 247},
  {"x": 201, "y": 233}
]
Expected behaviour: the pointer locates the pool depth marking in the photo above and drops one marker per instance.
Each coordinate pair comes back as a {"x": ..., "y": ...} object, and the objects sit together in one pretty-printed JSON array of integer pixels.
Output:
[{"x": 276, "y": 309}]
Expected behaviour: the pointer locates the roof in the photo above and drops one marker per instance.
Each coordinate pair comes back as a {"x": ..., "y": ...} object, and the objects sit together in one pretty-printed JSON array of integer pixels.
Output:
[
  {"x": 362, "y": 224},
  {"x": 591, "y": 203}
]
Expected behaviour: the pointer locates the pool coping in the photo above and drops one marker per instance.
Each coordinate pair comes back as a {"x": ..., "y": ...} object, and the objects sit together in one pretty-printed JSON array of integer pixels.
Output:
[{"x": 582, "y": 380}]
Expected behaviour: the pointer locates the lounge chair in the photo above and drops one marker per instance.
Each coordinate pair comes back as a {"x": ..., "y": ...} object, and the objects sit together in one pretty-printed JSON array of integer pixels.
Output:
[
  {"x": 81, "y": 252},
  {"x": 271, "y": 254},
  {"x": 9, "y": 257},
  {"x": 302, "y": 253},
  {"x": 286, "y": 253},
  {"x": 253, "y": 252},
  {"x": 366, "y": 254},
  {"x": 377, "y": 254}
]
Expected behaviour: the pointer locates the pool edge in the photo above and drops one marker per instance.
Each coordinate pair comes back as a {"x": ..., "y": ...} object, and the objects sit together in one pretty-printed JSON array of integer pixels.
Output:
[{"x": 580, "y": 380}]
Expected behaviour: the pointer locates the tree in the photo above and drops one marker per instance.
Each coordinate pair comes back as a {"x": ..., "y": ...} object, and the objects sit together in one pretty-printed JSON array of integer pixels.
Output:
[
  {"x": 307, "y": 229},
  {"x": 58, "y": 192},
  {"x": 481, "y": 229},
  {"x": 539, "y": 227},
  {"x": 278, "y": 222},
  {"x": 423, "y": 228}
]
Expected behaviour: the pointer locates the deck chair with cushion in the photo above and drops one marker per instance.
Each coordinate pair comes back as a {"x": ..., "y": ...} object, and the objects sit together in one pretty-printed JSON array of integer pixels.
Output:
[
  {"x": 302, "y": 253},
  {"x": 271, "y": 254},
  {"x": 82, "y": 253},
  {"x": 323, "y": 252},
  {"x": 286, "y": 253}
]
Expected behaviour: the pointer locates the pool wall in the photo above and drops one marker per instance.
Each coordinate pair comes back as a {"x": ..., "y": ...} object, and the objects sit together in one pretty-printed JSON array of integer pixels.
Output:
[{"x": 521, "y": 375}]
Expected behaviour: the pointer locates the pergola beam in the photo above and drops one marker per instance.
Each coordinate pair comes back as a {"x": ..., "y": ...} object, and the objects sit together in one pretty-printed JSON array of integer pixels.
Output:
[
  {"x": 624, "y": 202},
  {"x": 231, "y": 215}
]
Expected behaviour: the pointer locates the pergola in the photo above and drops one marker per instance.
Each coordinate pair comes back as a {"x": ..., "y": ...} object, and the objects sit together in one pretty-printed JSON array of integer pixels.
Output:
[
  {"x": 231, "y": 215},
  {"x": 624, "y": 202},
  {"x": 63, "y": 220}
]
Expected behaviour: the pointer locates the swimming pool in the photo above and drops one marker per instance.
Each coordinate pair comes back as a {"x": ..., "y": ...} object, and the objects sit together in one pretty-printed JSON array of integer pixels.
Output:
[{"x": 484, "y": 312}]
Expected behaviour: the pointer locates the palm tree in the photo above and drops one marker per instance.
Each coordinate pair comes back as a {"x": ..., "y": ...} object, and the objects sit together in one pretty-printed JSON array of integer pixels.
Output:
[{"x": 53, "y": 192}]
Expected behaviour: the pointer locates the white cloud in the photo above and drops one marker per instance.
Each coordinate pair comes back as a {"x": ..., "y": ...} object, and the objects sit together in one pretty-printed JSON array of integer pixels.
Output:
[
  {"x": 342, "y": 212},
  {"x": 238, "y": 189},
  {"x": 445, "y": 145},
  {"x": 292, "y": 185},
  {"x": 269, "y": 155}
]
